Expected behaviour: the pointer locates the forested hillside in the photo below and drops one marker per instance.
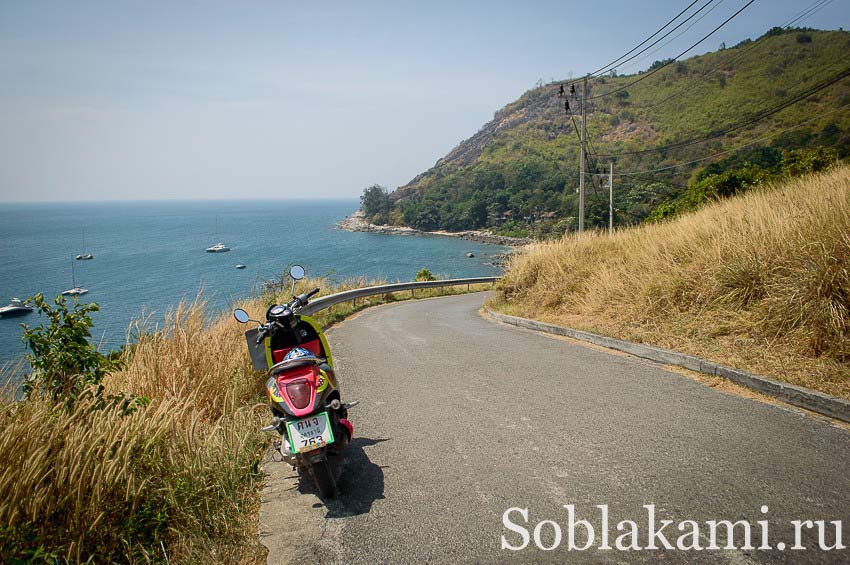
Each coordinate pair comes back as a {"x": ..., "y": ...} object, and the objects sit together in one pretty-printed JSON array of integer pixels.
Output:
[{"x": 678, "y": 133}]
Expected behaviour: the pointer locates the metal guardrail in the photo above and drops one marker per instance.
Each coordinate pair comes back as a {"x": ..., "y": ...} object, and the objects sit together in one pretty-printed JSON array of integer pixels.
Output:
[{"x": 353, "y": 295}]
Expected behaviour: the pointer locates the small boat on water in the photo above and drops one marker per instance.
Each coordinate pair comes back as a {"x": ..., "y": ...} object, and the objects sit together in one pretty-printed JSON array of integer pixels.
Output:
[
  {"x": 76, "y": 290},
  {"x": 218, "y": 248},
  {"x": 84, "y": 256},
  {"x": 240, "y": 266},
  {"x": 16, "y": 307}
]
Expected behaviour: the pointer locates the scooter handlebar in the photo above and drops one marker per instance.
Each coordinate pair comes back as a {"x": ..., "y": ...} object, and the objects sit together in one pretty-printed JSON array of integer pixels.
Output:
[{"x": 302, "y": 299}]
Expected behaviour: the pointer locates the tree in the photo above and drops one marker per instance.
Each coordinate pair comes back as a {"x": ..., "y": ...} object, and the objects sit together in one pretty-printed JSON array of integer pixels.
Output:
[{"x": 375, "y": 203}]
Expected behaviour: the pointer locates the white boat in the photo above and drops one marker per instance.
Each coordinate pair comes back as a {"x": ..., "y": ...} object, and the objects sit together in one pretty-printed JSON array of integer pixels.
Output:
[
  {"x": 218, "y": 248},
  {"x": 15, "y": 308},
  {"x": 84, "y": 256},
  {"x": 240, "y": 266},
  {"x": 76, "y": 290}
]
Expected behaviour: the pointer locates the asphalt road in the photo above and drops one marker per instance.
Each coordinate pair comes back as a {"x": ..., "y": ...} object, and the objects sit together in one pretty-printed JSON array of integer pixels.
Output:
[{"x": 462, "y": 418}]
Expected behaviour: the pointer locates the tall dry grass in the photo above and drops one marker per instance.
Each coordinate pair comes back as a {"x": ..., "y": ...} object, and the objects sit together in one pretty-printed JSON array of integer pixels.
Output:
[
  {"x": 179, "y": 477},
  {"x": 760, "y": 281}
]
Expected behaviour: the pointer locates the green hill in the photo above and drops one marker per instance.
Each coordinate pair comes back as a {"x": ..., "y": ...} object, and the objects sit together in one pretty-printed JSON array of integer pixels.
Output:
[{"x": 519, "y": 173}]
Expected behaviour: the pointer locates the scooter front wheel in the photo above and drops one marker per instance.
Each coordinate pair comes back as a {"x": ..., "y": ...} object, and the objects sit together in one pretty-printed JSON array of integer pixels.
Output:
[{"x": 323, "y": 477}]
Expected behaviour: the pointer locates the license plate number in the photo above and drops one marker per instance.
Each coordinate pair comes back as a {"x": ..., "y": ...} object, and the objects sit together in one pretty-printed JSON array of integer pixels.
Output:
[{"x": 310, "y": 433}]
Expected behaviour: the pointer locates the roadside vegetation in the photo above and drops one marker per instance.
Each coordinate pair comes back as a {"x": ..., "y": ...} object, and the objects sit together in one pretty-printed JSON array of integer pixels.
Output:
[
  {"x": 148, "y": 455},
  {"x": 759, "y": 281}
]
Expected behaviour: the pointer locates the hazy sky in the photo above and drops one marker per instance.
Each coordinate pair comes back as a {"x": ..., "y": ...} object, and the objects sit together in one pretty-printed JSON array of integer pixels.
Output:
[{"x": 122, "y": 100}]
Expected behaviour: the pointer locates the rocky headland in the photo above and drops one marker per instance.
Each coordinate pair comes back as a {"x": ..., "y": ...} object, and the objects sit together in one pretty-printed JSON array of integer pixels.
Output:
[{"x": 357, "y": 222}]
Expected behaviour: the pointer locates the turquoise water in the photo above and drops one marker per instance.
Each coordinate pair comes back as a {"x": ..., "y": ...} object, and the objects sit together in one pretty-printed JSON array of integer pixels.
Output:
[{"x": 149, "y": 256}]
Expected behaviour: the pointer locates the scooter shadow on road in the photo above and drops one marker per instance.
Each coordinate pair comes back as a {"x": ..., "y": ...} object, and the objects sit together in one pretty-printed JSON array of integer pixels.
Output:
[{"x": 361, "y": 483}]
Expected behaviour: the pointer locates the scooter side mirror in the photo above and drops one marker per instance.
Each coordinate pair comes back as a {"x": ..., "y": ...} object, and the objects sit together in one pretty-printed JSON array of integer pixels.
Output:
[
  {"x": 241, "y": 316},
  {"x": 296, "y": 272}
]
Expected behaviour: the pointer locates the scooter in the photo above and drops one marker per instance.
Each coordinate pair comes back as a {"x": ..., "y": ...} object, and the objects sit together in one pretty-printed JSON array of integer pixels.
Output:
[{"x": 303, "y": 391}]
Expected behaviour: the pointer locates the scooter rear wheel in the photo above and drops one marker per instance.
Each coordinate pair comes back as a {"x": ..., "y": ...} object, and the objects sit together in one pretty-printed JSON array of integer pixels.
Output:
[{"x": 323, "y": 477}]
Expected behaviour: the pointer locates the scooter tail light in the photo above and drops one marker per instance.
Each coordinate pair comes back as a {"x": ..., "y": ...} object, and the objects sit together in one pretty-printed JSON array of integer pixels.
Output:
[{"x": 299, "y": 393}]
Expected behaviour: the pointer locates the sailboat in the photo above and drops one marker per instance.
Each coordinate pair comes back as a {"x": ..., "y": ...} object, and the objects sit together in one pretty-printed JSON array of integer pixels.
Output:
[
  {"x": 76, "y": 291},
  {"x": 84, "y": 256},
  {"x": 218, "y": 247}
]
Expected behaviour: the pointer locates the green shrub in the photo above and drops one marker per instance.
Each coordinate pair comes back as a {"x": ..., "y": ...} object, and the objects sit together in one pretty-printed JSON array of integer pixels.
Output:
[
  {"x": 803, "y": 161},
  {"x": 63, "y": 360},
  {"x": 425, "y": 275}
]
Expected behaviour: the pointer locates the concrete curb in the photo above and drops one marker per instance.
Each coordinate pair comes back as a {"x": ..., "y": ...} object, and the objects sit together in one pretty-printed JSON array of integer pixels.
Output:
[{"x": 809, "y": 399}]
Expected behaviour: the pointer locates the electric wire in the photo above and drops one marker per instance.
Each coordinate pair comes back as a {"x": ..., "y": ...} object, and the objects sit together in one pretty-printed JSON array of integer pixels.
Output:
[
  {"x": 800, "y": 16},
  {"x": 811, "y": 11},
  {"x": 734, "y": 149},
  {"x": 758, "y": 116},
  {"x": 593, "y": 157},
  {"x": 683, "y": 22},
  {"x": 605, "y": 68},
  {"x": 737, "y": 56},
  {"x": 652, "y": 72},
  {"x": 674, "y": 38}
]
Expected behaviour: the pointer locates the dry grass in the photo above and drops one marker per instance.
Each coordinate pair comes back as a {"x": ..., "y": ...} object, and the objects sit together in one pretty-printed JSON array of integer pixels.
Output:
[
  {"x": 182, "y": 470},
  {"x": 179, "y": 476},
  {"x": 760, "y": 282}
]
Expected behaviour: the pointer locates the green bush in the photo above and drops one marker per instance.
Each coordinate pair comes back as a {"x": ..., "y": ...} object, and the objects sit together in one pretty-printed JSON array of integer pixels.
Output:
[
  {"x": 63, "y": 360},
  {"x": 803, "y": 161},
  {"x": 425, "y": 275},
  {"x": 65, "y": 365},
  {"x": 711, "y": 188}
]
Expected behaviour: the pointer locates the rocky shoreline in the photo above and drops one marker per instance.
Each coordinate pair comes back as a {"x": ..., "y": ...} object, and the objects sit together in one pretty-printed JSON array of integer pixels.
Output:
[{"x": 357, "y": 222}]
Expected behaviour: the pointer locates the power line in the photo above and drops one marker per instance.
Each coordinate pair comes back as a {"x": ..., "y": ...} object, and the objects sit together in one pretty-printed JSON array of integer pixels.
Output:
[
  {"x": 810, "y": 12},
  {"x": 734, "y": 149},
  {"x": 747, "y": 121},
  {"x": 659, "y": 30},
  {"x": 802, "y": 15},
  {"x": 677, "y": 36},
  {"x": 652, "y": 72},
  {"x": 694, "y": 84},
  {"x": 683, "y": 22}
]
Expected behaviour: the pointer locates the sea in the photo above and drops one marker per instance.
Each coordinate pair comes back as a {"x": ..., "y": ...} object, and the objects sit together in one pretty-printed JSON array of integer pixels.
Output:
[{"x": 148, "y": 256}]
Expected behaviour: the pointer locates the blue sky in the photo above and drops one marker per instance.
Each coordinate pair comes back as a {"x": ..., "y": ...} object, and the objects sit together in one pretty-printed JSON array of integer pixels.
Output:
[{"x": 158, "y": 100}]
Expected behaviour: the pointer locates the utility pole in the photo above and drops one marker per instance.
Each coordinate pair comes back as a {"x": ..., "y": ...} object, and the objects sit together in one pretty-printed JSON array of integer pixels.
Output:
[
  {"x": 583, "y": 157},
  {"x": 611, "y": 198}
]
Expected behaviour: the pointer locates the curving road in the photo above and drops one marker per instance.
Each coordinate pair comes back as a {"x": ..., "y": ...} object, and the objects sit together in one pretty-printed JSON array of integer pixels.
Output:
[{"x": 462, "y": 418}]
